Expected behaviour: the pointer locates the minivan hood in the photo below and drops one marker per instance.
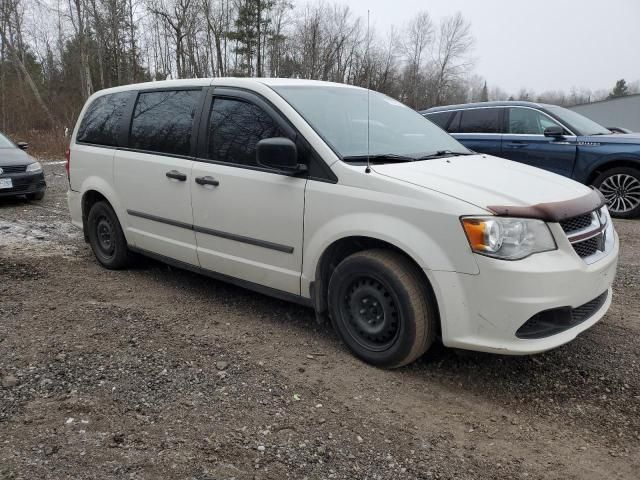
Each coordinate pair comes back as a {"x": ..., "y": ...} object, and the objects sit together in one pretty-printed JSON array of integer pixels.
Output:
[
  {"x": 13, "y": 156},
  {"x": 484, "y": 180}
]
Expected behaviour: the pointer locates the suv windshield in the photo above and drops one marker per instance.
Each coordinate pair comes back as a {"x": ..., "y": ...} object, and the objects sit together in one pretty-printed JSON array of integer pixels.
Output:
[
  {"x": 580, "y": 124},
  {"x": 5, "y": 142},
  {"x": 339, "y": 116}
]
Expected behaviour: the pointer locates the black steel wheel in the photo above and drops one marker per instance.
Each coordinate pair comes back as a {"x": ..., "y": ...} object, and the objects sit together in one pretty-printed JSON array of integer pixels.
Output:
[
  {"x": 382, "y": 307},
  {"x": 371, "y": 312},
  {"x": 106, "y": 237}
]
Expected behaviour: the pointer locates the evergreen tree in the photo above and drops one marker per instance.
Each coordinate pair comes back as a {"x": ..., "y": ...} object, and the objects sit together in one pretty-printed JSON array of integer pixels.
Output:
[
  {"x": 620, "y": 90},
  {"x": 252, "y": 26},
  {"x": 484, "y": 95}
]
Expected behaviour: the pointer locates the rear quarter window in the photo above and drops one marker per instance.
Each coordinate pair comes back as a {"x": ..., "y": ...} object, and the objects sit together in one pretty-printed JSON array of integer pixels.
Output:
[{"x": 102, "y": 118}]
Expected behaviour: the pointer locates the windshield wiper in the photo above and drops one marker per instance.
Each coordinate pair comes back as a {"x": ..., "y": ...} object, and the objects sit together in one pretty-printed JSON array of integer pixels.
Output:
[
  {"x": 380, "y": 158},
  {"x": 444, "y": 153}
]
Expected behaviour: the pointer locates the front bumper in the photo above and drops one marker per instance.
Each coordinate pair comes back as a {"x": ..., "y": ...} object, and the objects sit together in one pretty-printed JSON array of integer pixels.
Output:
[
  {"x": 24, "y": 184},
  {"x": 483, "y": 312}
]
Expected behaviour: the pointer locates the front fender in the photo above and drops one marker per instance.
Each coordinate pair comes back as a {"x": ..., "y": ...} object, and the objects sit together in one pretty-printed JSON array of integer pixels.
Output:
[
  {"x": 597, "y": 159},
  {"x": 424, "y": 248}
]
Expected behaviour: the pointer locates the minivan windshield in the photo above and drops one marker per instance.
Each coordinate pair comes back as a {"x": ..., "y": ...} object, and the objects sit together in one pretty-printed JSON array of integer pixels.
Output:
[
  {"x": 396, "y": 132},
  {"x": 5, "y": 142},
  {"x": 580, "y": 124}
]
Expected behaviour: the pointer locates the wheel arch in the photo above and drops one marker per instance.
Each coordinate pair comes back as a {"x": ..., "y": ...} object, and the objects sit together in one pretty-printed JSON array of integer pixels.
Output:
[
  {"x": 612, "y": 163},
  {"x": 92, "y": 194},
  {"x": 340, "y": 249}
]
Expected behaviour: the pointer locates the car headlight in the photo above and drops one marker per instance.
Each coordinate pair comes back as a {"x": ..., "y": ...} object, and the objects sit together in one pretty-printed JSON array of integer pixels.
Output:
[
  {"x": 508, "y": 238},
  {"x": 34, "y": 167}
]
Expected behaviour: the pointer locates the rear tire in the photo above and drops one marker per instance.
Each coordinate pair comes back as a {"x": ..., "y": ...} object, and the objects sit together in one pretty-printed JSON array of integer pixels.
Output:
[
  {"x": 621, "y": 188},
  {"x": 382, "y": 308},
  {"x": 106, "y": 237},
  {"x": 35, "y": 196}
]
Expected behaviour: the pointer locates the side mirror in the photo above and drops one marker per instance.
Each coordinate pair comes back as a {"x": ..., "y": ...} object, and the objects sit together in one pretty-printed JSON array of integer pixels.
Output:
[
  {"x": 22, "y": 145},
  {"x": 279, "y": 153},
  {"x": 554, "y": 131}
]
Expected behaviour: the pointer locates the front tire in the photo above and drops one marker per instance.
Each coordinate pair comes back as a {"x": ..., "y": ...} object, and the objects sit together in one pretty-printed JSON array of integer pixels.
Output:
[
  {"x": 621, "y": 188},
  {"x": 106, "y": 237},
  {"x": 382, "y": 308},
  {"x": 35, "y": 196}
]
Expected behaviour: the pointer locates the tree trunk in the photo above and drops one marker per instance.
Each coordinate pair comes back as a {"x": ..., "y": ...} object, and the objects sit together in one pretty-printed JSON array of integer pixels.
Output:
[{"x": 28, "y": 79}]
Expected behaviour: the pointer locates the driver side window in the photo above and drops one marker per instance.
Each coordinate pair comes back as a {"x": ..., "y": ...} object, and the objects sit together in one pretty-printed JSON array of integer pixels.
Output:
[
  {"x": 526, "y": 121},
  {"x": 235, "y": 128}
]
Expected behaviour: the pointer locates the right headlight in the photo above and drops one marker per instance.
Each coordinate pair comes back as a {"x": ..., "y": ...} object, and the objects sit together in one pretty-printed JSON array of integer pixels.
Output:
[
  {"x": 508, "y": 238},
  {"x": 34, "y": 167}
]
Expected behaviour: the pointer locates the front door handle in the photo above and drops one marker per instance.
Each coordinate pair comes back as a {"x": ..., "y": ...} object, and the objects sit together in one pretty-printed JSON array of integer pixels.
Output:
[
  {"x": 176, "y": 175},
  {"x": 516, "y": 145},
  {"x": 207, "y": 181}
]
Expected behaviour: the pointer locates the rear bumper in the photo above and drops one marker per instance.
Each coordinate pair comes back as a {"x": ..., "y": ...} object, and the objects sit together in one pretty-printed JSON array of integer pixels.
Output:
[
  {"x": 24, "y": 184},
  {"x": 74, "y": 201},
  {"x": 483, "y": 312}
]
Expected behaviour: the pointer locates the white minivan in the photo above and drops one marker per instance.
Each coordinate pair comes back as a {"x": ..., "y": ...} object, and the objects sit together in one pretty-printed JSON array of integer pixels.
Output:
[{"x": 349, "y": 202}]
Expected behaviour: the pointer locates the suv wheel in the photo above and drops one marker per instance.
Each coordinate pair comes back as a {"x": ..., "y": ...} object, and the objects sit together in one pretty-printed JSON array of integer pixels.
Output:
[
  {"x": 381, "y": 308},
  {"x": 621, "y": 188},
  {"x": 106, "y": 237}
]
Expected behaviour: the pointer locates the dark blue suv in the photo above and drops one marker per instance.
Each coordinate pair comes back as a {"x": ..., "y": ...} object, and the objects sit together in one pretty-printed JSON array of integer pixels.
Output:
[{"x": 553, "y": 138}]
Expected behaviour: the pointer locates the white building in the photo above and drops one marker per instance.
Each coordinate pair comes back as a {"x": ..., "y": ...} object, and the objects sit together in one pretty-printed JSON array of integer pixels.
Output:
[{"x": 614, "y": 112}]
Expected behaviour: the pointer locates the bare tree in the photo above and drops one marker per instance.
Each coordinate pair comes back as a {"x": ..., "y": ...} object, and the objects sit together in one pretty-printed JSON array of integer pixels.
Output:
[
  {"x": 8, "y": 10},
  {"x": 451, "y": 56},
  {"x": 419, "y": 34},
  {"x": 78, "y": 15}
]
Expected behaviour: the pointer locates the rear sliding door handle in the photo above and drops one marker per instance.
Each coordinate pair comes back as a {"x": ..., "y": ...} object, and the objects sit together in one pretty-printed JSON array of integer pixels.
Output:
[
  {"x": 176, "y": 175},
  {"x": 207, "y": 181}
]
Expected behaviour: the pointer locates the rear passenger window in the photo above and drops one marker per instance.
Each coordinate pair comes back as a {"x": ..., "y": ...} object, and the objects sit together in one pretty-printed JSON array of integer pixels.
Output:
[
  {"x": 480, "y": 120},
  {"x": 440, "y": 118},
  {"x": 235, "y": 127},
  {"x": 163, "y": 121},
  {"x": 102, "y": 119}
]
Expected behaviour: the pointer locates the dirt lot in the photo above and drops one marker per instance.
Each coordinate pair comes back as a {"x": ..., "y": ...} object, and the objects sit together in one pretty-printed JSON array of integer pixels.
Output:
[{"x": 158, "y": 373}]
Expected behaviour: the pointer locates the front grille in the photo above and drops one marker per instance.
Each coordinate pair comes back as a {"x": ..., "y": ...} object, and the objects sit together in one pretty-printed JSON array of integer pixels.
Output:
[
  {"x": 557, "y": 320},
  {"x": 574, "y": 224},
  {"x": 23, "y": 185},
  {"x": 581, "y": 226},
  {"x": 588, "y": 247},
  {"x": 14, "y": 168}
]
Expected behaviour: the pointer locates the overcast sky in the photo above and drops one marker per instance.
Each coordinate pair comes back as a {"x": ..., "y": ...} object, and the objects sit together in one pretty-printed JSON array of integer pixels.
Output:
[{"x": 538, "y": 44}]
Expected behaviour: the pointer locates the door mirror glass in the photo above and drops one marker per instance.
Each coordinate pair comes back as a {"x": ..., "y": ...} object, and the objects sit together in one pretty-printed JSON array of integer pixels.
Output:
[
  {"x": 553, "y": 131},
  {"x": 279, "y": 153},
  {"x": 22, "y": 145}
]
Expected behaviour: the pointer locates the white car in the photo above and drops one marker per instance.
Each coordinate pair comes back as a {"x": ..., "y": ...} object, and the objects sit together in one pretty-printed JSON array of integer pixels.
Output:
[{"x": 348, "y": 202}]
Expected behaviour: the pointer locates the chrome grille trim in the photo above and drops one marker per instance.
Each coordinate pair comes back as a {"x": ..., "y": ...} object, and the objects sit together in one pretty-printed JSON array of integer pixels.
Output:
[{"x": 589, "y": 242}]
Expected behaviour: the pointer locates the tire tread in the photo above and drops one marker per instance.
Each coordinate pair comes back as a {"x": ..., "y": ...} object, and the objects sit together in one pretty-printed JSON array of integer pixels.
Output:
[{"x": 419, "y": 295}]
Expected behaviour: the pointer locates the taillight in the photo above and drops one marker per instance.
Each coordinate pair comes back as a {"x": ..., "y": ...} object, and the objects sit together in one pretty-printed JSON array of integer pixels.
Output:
[{"x": 67, "y": 165}]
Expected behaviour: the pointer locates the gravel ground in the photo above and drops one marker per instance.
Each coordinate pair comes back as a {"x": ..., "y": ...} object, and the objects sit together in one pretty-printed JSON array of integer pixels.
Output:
[{"x": 159, "y": 373}]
